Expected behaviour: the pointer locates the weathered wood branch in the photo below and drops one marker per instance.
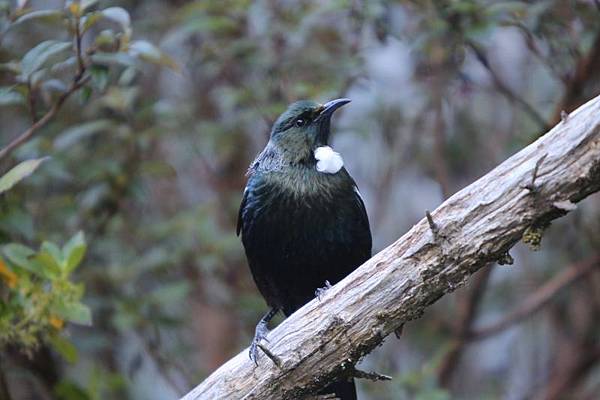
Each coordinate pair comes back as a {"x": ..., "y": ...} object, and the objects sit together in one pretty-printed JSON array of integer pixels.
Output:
[{"x": 478, "y": 225}]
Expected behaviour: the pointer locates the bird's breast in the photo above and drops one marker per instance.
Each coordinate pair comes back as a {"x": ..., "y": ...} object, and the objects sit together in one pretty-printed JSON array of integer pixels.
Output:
[
  {"x": 294, "y": 206},
  {"x": 301, "y": 229},
  {"x": 306, "y": 183}
]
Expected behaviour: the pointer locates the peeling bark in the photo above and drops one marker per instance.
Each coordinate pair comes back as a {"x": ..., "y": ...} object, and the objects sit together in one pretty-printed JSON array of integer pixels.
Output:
[{"x": 477, "y": 225}]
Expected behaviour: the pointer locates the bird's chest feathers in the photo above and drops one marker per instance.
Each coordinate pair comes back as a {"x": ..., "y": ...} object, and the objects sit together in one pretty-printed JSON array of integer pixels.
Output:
[
  {"x": 318, "y": 173},
  {"x": 306, "y": 182}
]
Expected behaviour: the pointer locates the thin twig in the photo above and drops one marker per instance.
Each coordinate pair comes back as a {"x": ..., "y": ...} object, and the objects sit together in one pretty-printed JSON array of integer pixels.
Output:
[
  {"x": 503, "y": 87},
  {"x": 25, "y": 136},
  {"x": 538, "y": 299},
  {"x": 440, "y": 162},
  {"x": 564, "y": 383},
  {"x": 531, "y": 44},
  {"x": 78, "y": 81},
  {"x": 586, "y": 69},
  {"x": 276, "y": 360},
  {"x": 432, "y": 225},
  {"x": 370, "y": 375},
  {"x": 31, "y": 102},
  {"x": 80, "y": 62},
  {"x": 398, "y": 331},
  {"x": 531, "y": 186},
  {"x": 467, "y": 314}
]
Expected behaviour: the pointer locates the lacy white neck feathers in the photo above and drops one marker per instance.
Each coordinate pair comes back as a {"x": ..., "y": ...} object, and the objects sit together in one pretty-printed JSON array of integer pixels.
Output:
[{"x": 328, "y": 160}]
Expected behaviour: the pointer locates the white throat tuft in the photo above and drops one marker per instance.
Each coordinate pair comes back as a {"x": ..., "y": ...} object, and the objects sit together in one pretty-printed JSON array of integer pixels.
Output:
[{"x": 328, "y": 160}]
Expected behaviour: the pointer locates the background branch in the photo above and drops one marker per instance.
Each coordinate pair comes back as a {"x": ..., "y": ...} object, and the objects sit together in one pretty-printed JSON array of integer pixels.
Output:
[
  {"x": 538, "y": 299},
  {"x": 504, "y": 89},
  {"x": 467, "y": 313},
  {"x": 586, "y": 69},
  {"x": 78, "y": 81},
  {"x": 43, "y": 121}
]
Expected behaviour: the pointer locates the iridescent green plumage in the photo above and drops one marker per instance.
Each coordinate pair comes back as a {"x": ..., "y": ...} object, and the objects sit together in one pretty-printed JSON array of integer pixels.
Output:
[{"x": 301, "y": 227}]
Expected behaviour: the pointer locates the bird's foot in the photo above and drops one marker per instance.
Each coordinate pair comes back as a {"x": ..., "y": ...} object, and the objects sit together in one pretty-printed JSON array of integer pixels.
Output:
[
  {"x": 320, "y": 291},
  {"x": 259, "y": 335}
]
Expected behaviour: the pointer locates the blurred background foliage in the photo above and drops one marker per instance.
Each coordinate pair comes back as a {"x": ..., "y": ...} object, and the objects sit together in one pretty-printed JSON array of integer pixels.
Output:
[{"x": 165, "y": 105}]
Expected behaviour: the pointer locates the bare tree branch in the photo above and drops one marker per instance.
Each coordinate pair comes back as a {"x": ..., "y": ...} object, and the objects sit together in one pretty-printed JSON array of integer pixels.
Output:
[
  {"x": 504, "y": 89},
  {"x": 538, "y": 299},
  {"x": 563, "y": 384},
  {"x": 587, "y": 69},
  {"x": 325, "y": 339},
  {"x": 467, "y": 313},
  {"x": 40, "y": 123}
]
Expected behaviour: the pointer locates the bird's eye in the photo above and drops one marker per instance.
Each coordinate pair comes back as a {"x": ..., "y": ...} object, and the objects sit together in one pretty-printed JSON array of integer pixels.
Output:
[{"x": 300, "y": 122}]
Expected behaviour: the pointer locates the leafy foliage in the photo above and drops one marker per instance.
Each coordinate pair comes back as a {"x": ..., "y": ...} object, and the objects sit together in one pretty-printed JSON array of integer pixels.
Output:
[
  {"x": 18, "y": 173},
  {"x": 41, "y": 296}
]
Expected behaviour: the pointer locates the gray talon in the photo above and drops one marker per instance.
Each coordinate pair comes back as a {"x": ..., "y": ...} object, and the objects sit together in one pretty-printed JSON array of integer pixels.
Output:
[{"x": 320, "y": 291}]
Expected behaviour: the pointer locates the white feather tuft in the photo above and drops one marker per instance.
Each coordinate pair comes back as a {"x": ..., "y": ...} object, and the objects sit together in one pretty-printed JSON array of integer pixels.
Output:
[{"x": 328, "y": 160}]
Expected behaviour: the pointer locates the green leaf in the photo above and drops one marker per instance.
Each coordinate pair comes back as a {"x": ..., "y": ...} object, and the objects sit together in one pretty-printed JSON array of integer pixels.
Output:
[
  {"x": 127, "y": 77},
  {"x": 99, "y": 74},
  {"x": 77, "y": 313},
  {"x": 65, "y": 348},
  {"x": 40, "y": 16},
  {"x": 53, "y": 250},
  {"x": 119, "y": 15},
  {"x": 69, "y": 390},
  {"x": 512, "y": 7},
  {"x": 146, "y": 51},
  {"x": 21, "y": 256},
  {"x": 17, "y": 253},
  {"x": 17, "y": 222},
  {"x": 114, "y": 59},
  {"x": 10, "y": 97},
  {"x": 45, "y": 262},
  {"x": 40, "y": 54},
  {"x": 105, "y": 39},
  {"x": 120, "y": 99},
  {"x": 11, "y": 67},
  {"x": 124, "y": 320},
  {"x": 74, "y": 7},
  {"x": 85, "y": 94},
  {"x": 89, "y": 20},
  {"x": 73, "y": 135},
  {"x": 21, "y": 171},
  {"x": 74, "y": 251},
  {"x": 54, "y": 86},
  {"x": 85, "y": 4}
]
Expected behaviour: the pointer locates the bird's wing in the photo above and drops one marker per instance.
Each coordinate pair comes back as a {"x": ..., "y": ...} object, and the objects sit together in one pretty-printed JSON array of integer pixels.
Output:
[
  {"x": 241, "y": 211},
  {"x": 361, "y": 204}
]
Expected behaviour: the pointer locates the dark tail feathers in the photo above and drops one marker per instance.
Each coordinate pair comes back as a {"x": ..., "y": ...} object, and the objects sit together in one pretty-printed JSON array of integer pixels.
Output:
[{"x": 343, "y": 389}]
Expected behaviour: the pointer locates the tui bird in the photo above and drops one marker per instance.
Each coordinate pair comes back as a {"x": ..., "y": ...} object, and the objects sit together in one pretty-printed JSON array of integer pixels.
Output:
[{"x": 302, "y": 219}]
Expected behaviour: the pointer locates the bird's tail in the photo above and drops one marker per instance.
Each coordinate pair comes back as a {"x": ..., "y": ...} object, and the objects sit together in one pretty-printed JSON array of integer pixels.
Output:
[{"x": 343, "y": 389}]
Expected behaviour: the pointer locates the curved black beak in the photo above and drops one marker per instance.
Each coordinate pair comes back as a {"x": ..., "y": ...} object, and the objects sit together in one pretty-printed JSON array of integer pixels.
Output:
[
  {"x": 324, "y": 119},
  {"x": 331, "y": 106}
]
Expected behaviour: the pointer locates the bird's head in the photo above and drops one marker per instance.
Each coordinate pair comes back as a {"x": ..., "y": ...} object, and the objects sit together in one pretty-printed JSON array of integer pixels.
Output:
[{"x": 303, "y": 127}]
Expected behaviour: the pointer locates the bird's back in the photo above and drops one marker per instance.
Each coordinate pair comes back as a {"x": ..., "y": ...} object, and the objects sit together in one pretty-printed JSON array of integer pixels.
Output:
[{"x": 301, "y": 228}]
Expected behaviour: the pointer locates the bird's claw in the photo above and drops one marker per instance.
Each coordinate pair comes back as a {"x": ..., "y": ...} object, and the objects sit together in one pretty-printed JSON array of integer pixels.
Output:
[
  {"x": 259, "y": 335},
  {"x": 320, "y": 291}
]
